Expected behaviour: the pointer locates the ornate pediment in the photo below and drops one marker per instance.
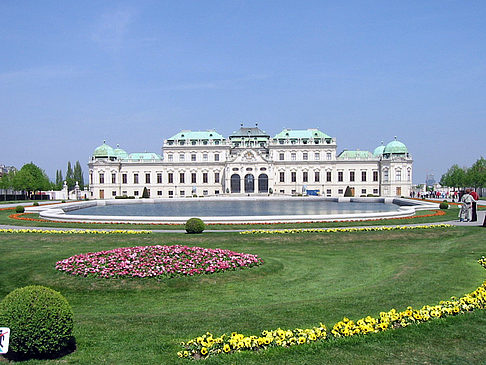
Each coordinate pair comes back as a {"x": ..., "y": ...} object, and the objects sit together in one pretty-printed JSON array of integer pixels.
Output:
[{"x": 248, "y": 155}]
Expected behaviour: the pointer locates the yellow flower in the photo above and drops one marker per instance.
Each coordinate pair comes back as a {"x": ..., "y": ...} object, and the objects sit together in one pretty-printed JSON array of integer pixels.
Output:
[{"x": 204, "y": 351}]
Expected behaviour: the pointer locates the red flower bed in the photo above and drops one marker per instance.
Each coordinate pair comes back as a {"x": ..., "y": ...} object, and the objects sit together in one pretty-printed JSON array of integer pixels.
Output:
[{"x": 156, "y": 261}]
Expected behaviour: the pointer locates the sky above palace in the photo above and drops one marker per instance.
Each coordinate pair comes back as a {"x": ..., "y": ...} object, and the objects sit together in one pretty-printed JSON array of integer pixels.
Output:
[{"x": 134, "y": 73}]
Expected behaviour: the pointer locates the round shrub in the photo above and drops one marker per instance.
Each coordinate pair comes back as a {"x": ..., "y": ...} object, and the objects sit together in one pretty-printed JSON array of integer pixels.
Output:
[
  {"x": 19, "y": 209},
  {"x": 195, "y": 225},
  {"x": 443, "y": 205},
  {"x": 40, "y": 320},
  {"x": 35, "y": 204}
]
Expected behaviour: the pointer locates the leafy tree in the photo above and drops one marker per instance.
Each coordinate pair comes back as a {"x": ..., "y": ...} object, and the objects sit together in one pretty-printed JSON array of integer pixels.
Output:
[
  {"x": 455, "y": 177},
  {"x": 31, "y": 178},
  {"x": 70, "y": 177},
  {"x": 476, "y": 175},
  {"x": 78, "y": 175}
]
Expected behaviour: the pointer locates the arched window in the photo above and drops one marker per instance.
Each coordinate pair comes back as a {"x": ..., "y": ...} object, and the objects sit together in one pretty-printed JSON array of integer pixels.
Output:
[
  {"x": 235, "y": 183},
  {"x": 263, "y": 183},
  {"x": 249, "y": 183}
]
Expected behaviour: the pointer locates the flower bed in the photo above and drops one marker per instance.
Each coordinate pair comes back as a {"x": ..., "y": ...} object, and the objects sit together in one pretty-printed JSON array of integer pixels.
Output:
[
  {"x": 207, "y": 345},
  {"x": 351, "y": 229},
  {"x": 72, "y": 231},
  {"x": 156, "y": 261}
]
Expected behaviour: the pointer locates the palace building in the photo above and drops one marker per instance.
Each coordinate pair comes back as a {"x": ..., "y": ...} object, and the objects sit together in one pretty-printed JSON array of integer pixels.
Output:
[{"x": 251, "y": 162}]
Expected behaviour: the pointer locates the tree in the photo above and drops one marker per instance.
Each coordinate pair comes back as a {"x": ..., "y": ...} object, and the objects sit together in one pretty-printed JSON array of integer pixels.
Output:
[
  {"x": 59, "y": 180},
  {"x": 455, "y": 177},
  {"x": 476, "y": 174},
  {"x": 145, "y": 193},
  {"x": 70, "y": 177},
  {"x": 78, "y": 175},
  {"x": 31, "y": 178}
]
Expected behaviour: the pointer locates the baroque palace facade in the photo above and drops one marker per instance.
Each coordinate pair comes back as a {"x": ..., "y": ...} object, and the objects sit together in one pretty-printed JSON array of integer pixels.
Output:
[{"x": 249, "y": 161}]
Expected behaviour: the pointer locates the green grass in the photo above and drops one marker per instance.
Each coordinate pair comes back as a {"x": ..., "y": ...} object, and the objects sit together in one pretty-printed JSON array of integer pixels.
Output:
[
  {"x": 307, "y": 279},
  {"x": 451, "y": 214},
  {"x": 18, "y": 201}
]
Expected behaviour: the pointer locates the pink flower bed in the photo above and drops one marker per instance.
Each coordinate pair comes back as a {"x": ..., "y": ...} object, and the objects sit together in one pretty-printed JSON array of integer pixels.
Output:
[{"x": 156, "y": 261}]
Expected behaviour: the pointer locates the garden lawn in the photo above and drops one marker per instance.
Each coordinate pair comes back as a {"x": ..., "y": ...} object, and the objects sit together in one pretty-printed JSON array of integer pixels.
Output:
[{"x": 306, "y": 279}]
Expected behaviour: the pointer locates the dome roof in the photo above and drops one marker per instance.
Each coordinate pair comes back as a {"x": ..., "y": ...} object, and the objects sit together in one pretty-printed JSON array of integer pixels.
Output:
[
  {"x": 104, "y": 151},
  {"x": 379, "y": 150},
  {"x": 395, "y": 147},
  {"x": 120, "y": 153}
]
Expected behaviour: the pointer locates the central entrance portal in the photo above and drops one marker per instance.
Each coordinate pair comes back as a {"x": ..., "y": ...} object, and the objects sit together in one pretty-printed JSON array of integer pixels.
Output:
[{"x": 249, "y": 183}]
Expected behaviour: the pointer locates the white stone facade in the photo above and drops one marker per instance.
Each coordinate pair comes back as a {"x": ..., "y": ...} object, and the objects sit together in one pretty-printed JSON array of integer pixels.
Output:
[{"x": 251, "y": 162}]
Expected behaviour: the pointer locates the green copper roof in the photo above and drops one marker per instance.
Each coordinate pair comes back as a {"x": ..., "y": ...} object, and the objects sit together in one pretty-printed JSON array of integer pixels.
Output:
[
  {"x": 104, "y": 151},
  {"x": 196, "y": 135},
  {"x": 144, "y": 156},
  {"x": 120, "y": 153},
  {"x": 355, "y": 155},
  {"x": 379, "y": 150},
  {"x": 301, "y": 133},
  {"x": 395, "y": 147}
]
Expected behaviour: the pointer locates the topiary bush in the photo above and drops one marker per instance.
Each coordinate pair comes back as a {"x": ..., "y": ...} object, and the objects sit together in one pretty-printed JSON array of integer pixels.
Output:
[
  {"x": 19, "y": 209},
  {"x": 443, "y": 205},
  {"x": 35, "y": 204},
  {"x": 195, "y": 225},
  {"x": 40, "y": 321}
]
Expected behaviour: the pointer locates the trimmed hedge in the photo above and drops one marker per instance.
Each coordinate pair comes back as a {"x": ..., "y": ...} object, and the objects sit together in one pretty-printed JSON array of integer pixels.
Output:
[
  {"x": 19, "y": 209},
  {"x": 195, "y": 225},
  {"x": 40, "y": 320},
  {"x": 443, "y": 205}
]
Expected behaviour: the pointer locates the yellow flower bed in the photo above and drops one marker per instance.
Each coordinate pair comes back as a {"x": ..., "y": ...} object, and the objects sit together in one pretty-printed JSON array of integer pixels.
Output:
[
  {"x": 207, "y": 345},
  {"x": 335, "y": 230},
  {"x": 72, "y": 231}
]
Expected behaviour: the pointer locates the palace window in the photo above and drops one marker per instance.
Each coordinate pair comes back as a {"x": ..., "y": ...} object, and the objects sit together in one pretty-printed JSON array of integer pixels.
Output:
[
  {"x": 170, "y": 158},
  {"x": 317, "y": 176},
  {"x": 135, "y": 178},
  {"x": 159, "y": 192},
  {"x": 340, "y": 176},
  {"x": 363, "y": 175},
  {"x": 293, "y": 176},
  {"x": 351, "y": 175},
  {"x": 398, "y": 175},
  {"x": 363, "y": 191},
  {"x": 216, "y": 157},
  {"x": 216, "y": 177},
  {"x": 205, "y": 156},
  {"x": 193, "y": 157},
  {"x": 170, "y": 177},
  {"x": 182, "y": 178},
  {"x": 147, "y": 178},
  {"x": 317, "y": 156},
  {"x": 409, "y": 174},
  {"x": 281, "y": 156},
  {"x": 113, "y": 178},
  {"x": 181, "y": 157},
  {"x": 193, "y": 178},
  {"x": 293, "y": 156},
  {"x": 375, "y": 175},
  {"x": 328, "y": 156},
  {"x": 385, "y": 175},
  {"x": 159, "y": 178},
  {"x": 305, "y": 156},
  {"x": 328, "y": 176},
  {"x": 124, "y": 178},
  {"x": 102, "y": 178},
  {"x": 205, "y": 177},
  {"x": 340, "y": 191},
  {"x": 305, "y": 176},
  {"x": 135, "y": 193},
  {"x": 282, "y": 176}
]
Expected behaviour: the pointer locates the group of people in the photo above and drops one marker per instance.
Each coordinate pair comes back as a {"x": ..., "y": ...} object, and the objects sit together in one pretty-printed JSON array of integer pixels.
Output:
[{"x": 468, "y": 212}]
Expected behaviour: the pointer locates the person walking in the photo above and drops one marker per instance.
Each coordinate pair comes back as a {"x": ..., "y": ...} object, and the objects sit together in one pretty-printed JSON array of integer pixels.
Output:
[{"x": 475, "y": 196}]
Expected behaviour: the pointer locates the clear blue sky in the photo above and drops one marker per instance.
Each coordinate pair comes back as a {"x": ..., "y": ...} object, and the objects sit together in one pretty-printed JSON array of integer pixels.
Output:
[{"x": 74, "y": 73}]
